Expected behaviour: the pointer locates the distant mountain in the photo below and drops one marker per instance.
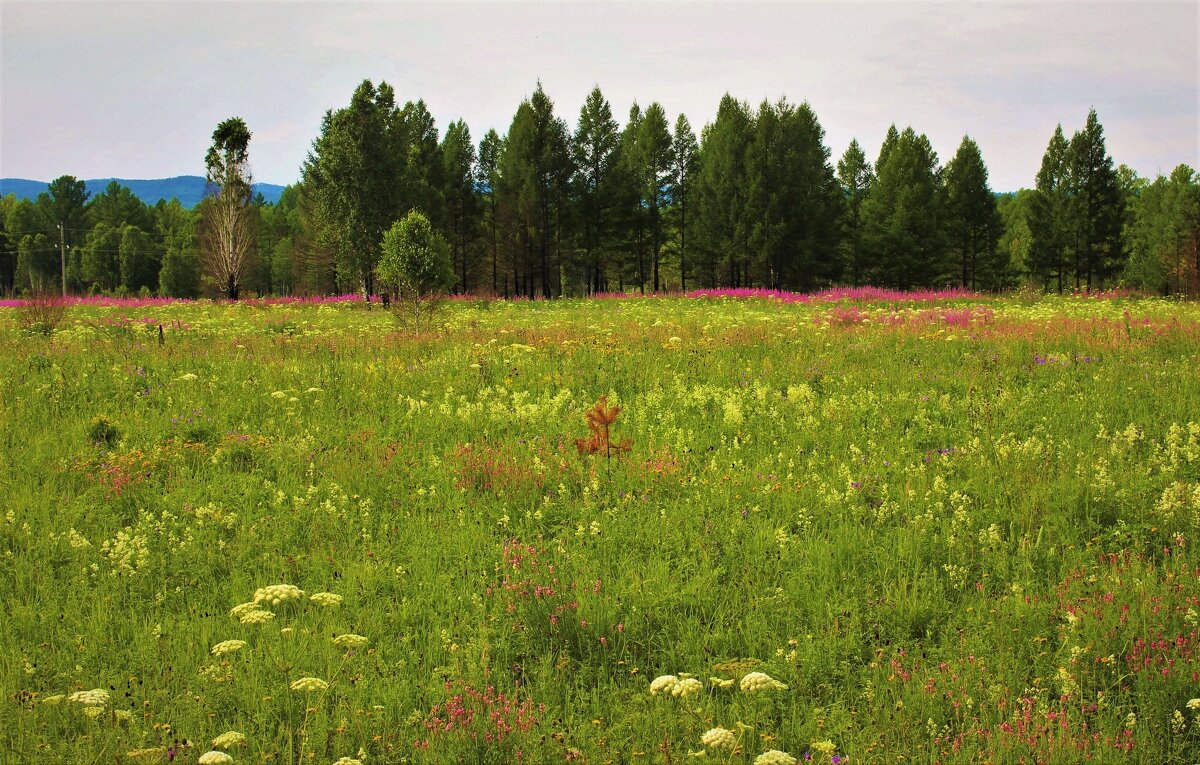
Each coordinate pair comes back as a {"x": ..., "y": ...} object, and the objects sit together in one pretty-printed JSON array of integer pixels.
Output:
[{"x": 188, "y": 189}]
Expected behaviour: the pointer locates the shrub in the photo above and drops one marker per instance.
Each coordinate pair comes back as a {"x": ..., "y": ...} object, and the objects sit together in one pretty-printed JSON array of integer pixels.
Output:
[
  {"x": 42, "y": 312},
  {"x": 414, "y": 269}
]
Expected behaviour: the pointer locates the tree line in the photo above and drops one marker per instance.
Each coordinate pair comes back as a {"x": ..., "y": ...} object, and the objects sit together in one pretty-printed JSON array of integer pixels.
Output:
[{"x": 545, "y": 210}]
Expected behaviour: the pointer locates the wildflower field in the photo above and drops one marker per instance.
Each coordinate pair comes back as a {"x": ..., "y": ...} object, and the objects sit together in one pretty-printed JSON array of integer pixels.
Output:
[{"x": 860, "y": 527}]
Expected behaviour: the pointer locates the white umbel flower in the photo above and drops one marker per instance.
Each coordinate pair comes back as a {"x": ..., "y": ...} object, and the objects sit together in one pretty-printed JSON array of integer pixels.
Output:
[
  {"x": 229, "y": 740},
  {"x": 774, "y": 757},
  {"x": 257, "y": 616},
  {"x": 686, "y": 687},
  {"x": 347, "y": 761},
  {"x": 277, "y": 593},
  {"x": 97, "y": 697},
  {"x": 309, "y": 684},
  {"x": 760, "y": 681},
  {"x": 350, "y": 641},
  {"x": 228, "y": 646},
  {"x": 719, "y": 738},
  {"x": 327, "y": 599},
  {"x": 662, "y": 684},
  {"x": 214, "y": 758}
]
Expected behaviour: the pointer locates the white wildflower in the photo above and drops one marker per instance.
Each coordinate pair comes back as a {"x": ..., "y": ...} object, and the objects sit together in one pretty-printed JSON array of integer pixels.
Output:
[
  {"x": 228, "y": 646},
  {"x": 214, "y": 758},
  {"x": 760, "y": 681},
  {"x": 686, "y": 687},
  {"x": 257, "y": 616},
  {"x": 229, "y": 740},
  {"x": 97, "y": 697},
  {"x": 774, "y": 757},
  {"x": 326, "y": 599},
  {"x": 662, "y": 684},
  {"x": 277, "y": 593},
  {"x": 350, "y": 641},
  {"x": 309, "y": 684},
  {"x": 719, "y": 738}
]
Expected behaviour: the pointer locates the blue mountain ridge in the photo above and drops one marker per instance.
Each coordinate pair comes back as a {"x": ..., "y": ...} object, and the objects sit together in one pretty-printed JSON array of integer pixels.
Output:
[{"x": 188, "y": 189}]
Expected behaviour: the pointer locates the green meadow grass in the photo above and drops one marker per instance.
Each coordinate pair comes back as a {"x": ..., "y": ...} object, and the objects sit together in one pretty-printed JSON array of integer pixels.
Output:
[{"x": 956, "y": 532}]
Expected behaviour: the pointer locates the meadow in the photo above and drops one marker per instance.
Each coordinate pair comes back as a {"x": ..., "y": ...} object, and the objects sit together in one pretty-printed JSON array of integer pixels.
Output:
[{"x": 863, "y": 527}]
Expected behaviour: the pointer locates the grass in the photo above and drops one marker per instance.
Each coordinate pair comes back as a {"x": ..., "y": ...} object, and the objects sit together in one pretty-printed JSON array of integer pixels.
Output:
[{"x": 957, "y": 529}]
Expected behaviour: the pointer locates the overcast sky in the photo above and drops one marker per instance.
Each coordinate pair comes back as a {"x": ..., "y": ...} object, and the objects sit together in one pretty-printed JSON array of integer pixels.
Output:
[{"x": 134, "y": 89}]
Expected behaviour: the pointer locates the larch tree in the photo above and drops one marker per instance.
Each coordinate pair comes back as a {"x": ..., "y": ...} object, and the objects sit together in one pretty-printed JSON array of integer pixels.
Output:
[
  {"x": 722, "y": 190},
  {"x": 655, "y": 160},
  {"x": 684, "y": 166},
  {"x": 903, "y": 218},
  {"x": 1097, "y": 209},
  {"x": 595, "y": 154},
  {"x": 228, "y": 239},
  {"x": 972, "y": 221},
  {"x": 488, "y": 168},
  {"x": 1048, "y": 215},
  {"x": 461, "y": 197},
  {"x": 855, "y": 176}
]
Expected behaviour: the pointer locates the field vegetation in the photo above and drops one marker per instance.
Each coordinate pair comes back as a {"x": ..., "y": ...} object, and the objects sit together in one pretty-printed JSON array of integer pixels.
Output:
[{"x": 857, "y": 525}]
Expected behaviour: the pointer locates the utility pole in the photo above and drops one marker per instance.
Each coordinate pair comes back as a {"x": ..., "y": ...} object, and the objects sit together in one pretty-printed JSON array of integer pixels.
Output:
[{"x": 62, "y": 245}]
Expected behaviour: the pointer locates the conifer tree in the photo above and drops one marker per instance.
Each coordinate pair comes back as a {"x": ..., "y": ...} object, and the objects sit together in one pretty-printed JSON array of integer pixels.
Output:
[{"x": 972, "y": 222}]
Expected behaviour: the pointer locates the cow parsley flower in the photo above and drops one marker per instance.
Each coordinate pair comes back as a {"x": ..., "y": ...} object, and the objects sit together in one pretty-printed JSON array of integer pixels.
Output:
[
  {"x": 662, "y": 684},
  {"x": 719, "y": 738},
  {"x": 1194, "y": 705},
  {"x": 228, "y": 646},
  {"x": 214, "y": 758},
  {"x": 93, "y": 712},
  {"x": 257, "y": 616},
  {"x": 243, "y": 608},
  {"x": 347, "y": 761},
  {"x": 55, "y": 699},
  {"x": 685, "y": 687},
  {"x": 350, "y": 641},
  {"x": 774, "y": 757},
  {"x": 97, "y": 697},
  {"x": 326, "y": 599},
  {"x": 309, "y": 684},
  {"x": 760, "y": 681},
  {"x": 229, "y": 740},
  {"x": 277, "y": 593},
  {"x": 720, "y": 682}
]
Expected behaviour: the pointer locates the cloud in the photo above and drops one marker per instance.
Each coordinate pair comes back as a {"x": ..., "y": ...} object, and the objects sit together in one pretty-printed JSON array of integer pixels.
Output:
[{"x": 135, "y": 89}]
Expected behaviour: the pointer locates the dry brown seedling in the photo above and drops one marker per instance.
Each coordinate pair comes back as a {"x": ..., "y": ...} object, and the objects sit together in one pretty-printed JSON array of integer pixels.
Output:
[{"x": 600, "y": 419}]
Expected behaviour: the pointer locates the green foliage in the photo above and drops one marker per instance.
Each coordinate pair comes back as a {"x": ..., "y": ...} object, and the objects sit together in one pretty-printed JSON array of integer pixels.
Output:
[
  {"x": 938, "y": 563},
  {"x": 855, "y": 176},
  {"x": 415, "y": 259},
  {"x": 904, "y": 215},
  {"x": 1164, "y": 235},
  {"x": 973, "y": 224},
  {"x": 723, "y": 184}
]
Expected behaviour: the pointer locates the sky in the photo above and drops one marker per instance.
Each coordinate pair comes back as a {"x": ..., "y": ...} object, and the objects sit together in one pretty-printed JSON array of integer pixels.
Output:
[{"x": 135, "y": 89}]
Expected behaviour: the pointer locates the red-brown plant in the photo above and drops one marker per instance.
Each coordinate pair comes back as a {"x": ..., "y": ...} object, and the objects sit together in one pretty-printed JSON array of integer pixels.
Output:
[{"x": 600, "y": 419}]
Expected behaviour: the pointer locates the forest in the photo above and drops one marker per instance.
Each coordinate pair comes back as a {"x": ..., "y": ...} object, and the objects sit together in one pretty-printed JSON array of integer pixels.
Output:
[{"x": 755, "y": 200}]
